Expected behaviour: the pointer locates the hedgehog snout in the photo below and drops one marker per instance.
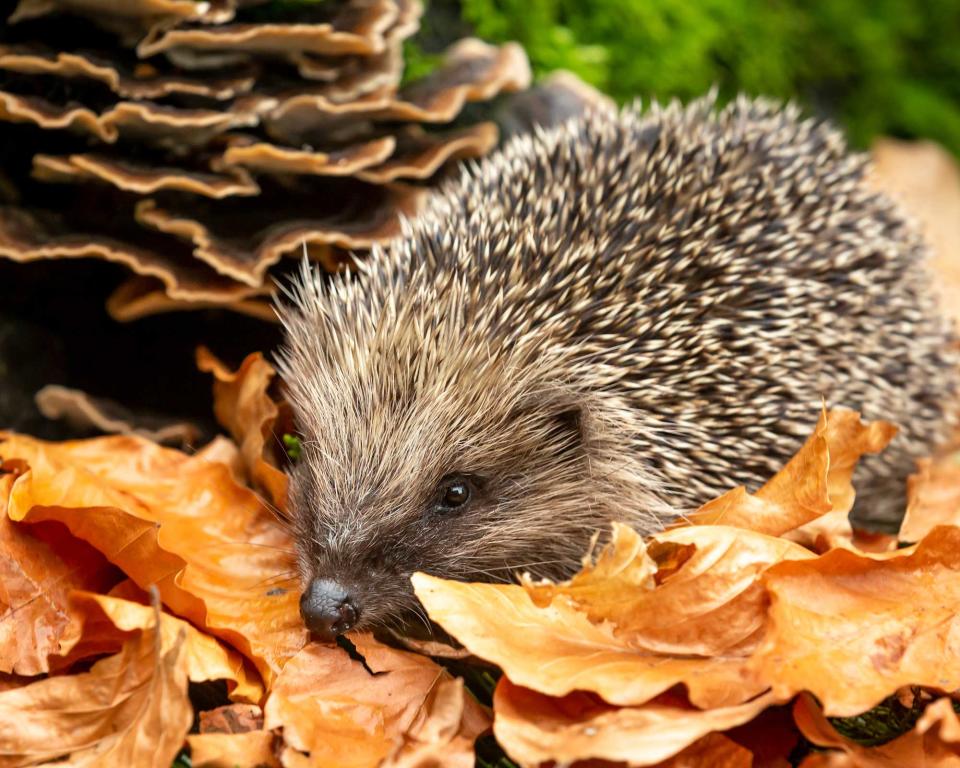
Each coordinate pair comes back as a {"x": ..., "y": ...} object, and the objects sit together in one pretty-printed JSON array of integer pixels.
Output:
[{"x": 328, "y": 609}]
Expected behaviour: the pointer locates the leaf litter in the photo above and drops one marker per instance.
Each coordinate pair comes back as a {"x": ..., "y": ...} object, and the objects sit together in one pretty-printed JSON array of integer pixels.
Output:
[{"x": 760, "y": 630}]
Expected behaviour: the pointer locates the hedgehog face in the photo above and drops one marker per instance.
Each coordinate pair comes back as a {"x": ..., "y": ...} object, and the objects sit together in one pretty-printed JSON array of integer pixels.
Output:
[
  {"x": 466, "y": 482},
  {"x": 440, "y": 435}
]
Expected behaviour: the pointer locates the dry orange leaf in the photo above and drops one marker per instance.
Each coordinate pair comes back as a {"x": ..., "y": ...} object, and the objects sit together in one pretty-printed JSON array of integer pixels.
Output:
[
  {"x": 612, "y": 631},
  {"x": 622, "y": 568},
  {"x": 559, "y": 650},
  {"x": 817, "y": 480},
  {"x": 233, "y": 737},
  {"x": 39, "y": 565},
  {"x": 711, "y": 604},
  {"x": 243, "y": 406},
  {"x": 333, "y": 708},
  {"x": 933, "y": 497},
  {"x": 444, "y": 730},
  {"x": 215, "y": 552},
  {"x": 933, "y": 742},
  {"x": 232, "y": 718},
  {"x": 253, "y": 749},
  {"x": 712, "y": 751},
  {"x": 106, "y": 622},
  {"x": 852, "y": 628},
  {"x": 130, "y": 709},
  {"x": 535, "y": 729}
]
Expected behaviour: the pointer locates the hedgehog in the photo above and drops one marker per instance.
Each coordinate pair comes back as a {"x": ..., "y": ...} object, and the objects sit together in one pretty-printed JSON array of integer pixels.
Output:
[{"x": 614, "y": 319}]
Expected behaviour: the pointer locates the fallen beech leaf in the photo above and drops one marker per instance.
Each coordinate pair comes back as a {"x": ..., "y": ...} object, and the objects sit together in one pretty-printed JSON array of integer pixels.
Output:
[
  {"x": 534, "y": 729},
  {"x": 443, "y": 735},
  {"x": 253, "y": 749},
  {"x": 433, "y": 648},
  {"x": 712, "y": 751},
  {"x": 560, "y": 650},
  {"x": 933, "y": 497},
  {"x": 710, "y": 604},
  {"x": 234, "y": 718},
  {"x": 130, "y": 709},
  {"x": 817, "y": 480},
  {"x": 334, "y": 708},
  {"x": 622, "y": 568},
  {"x": 39, "y": 566},
  {"x": 853, "y": 628},
  {"x": 214, "y": 551},
  {"x": 243, "y": 406},
  {"x": 824, "y": 533},
  {"x": 923, "y": 746},
  {"x": 877, "y": 542},
  {"x": 108, "y": 621},
  {"x": 290, "y": 758},
  {"x": 620, "y": 630},
  {"x": 223, "y": 450}
]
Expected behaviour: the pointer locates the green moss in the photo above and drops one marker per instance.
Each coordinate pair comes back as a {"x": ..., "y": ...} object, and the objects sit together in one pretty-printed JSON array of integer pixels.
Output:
[
  {"x": 883, "y": 723},
  {"x": 417, "y": 63},
  {"x": 879, "y": 66},
  {"x": 293, "y": 446}
]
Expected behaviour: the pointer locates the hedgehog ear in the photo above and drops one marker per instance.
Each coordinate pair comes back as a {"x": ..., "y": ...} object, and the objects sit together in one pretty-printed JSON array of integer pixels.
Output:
[
  {"x": 571, "y": 419},
  {"x": 568, "y": 413}
]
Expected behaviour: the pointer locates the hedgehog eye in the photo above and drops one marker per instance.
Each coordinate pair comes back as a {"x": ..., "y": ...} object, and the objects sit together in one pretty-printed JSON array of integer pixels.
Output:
[{"x": 454, "y": 493}]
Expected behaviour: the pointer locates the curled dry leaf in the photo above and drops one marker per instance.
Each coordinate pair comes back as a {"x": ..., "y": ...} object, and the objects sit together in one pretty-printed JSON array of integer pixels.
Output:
[
  {"x": 560, "y": 651},
  {"x": 623, "y": 568},
  {"x": 107, "y": 621},
  {"x": 714, "y": 750},
  {"x": 933, "y": 497},
  {"x": 613, "y": 632},
  {"x": 933, "y": 743},
  {"x": 233, "y": 718},
  {"x": 129, "y": 709},
  {"x": 771, "y": 737},
  {"x": 852, "y": 628},
  {"x": 242, "y": 404},
  {"x": 396, "y": 709},
  {"x": 712, "y": 602},
  {"x": 217, "y": 555},
  {"x": 39, "y": 566},
  {"x": 535, "y": 729},
  {"x": 815, "y": 482},
  {"x": 253, "y": 749}
]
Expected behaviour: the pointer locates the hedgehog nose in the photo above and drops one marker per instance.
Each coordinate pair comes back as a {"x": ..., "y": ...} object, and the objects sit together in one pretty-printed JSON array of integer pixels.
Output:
[{"x": 327, "y": 609}]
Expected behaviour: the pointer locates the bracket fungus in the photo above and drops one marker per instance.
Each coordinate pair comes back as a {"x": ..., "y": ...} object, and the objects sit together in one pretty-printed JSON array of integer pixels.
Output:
[{"x": 201, "y": 144}]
